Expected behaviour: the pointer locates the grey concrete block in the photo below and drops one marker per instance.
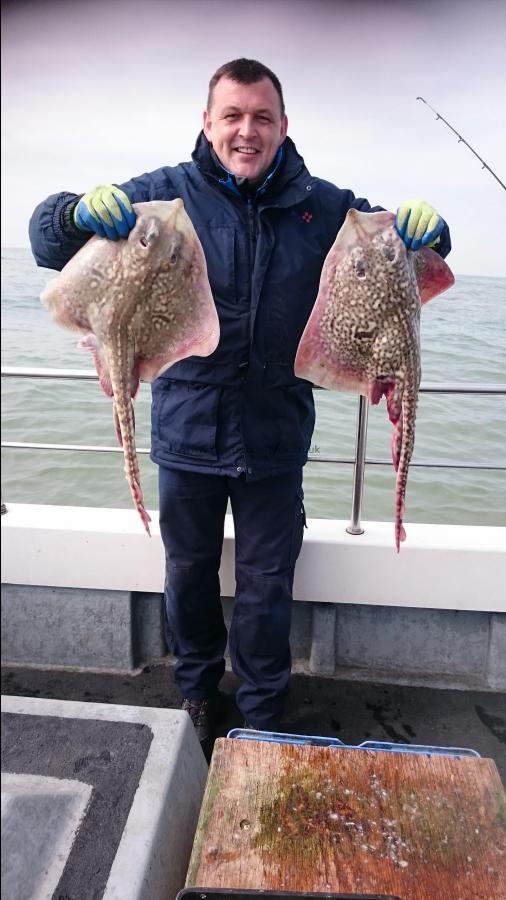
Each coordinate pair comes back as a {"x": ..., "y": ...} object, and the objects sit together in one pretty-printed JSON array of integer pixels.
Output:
[
  {"x": 435, "y": 642},
  {"x": 151, "y": 856},
  {"x": 322, "y": 660},
  {"x": 40, "y": 819},
  {"x": 148, "y": 630},
  {"x": 496, "y": 662},
  {"x": 119, "y": 630},
  {"x": 67, "y": 627},
  {"x": 301, "y": 630}
]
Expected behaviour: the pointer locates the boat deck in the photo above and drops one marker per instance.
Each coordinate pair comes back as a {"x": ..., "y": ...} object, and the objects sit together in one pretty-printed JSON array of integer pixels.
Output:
[
  {"x": 107, "y": 786},
  {"x": 351, "y": 711}
]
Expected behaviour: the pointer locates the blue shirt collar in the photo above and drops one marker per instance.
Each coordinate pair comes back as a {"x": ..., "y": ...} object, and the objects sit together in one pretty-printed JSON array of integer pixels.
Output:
[{"x": 242, "y": 187}]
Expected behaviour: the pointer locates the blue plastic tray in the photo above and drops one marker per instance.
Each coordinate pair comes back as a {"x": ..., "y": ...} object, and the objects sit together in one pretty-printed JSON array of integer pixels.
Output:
[{"x": 277, "y": 737}]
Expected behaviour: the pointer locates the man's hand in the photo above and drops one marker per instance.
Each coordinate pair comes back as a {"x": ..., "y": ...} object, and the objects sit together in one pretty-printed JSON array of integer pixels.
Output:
[
  {"x": 107, "y": 211},
  {"x": 418, "y": 224}
]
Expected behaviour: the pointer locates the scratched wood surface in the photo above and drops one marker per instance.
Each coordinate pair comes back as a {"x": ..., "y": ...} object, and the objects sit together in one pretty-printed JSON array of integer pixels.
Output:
[{"x": 301, "y": 818}]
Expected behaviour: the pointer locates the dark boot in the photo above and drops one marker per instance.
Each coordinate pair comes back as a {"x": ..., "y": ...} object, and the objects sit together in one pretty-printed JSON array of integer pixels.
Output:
[{"x": 204, "y": 715}]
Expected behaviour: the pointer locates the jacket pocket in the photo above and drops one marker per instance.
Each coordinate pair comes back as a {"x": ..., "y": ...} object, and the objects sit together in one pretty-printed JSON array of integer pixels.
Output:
[
  {"x": 184, "y": 418},
  {"x": 296, "y": 421}
]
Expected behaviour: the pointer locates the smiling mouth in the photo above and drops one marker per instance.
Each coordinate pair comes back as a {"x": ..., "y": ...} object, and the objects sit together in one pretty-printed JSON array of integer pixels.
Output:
[{"x": 247, "y": 151}]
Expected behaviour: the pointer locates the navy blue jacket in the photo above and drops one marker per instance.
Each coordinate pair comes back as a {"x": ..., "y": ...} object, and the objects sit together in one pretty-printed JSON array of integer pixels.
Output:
[{"x": 241, "y": 409}]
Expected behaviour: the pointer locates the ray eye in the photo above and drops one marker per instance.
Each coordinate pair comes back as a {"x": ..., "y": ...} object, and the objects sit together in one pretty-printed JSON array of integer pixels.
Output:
[
  {"x": 175, "y": 251},
  {"x": 149, "y": 237},
  {"x": 360, "y": 268},
  {"x": 389, "y": 252}
]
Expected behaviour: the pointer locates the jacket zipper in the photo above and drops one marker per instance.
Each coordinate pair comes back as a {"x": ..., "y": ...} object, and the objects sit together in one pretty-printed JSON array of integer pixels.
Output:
[{"x": 252, "y": 233}]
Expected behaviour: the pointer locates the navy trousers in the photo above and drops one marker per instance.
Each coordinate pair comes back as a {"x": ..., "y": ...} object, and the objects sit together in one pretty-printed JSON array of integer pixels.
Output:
[{"x": 269, "y": 521}]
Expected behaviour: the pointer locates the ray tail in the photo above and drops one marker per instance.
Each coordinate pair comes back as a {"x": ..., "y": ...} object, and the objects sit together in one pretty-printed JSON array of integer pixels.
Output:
[
  {"x": 125, "y": 427},
  {"x": 403, "y": 443}
]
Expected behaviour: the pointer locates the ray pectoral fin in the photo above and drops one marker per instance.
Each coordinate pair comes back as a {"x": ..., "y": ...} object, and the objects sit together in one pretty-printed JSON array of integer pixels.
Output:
[
  {"x": 323, "y": 363},
  {"x": 393, "y": 393},
  {"x": 134, "y": 380},
  {"x": 379, "y": 387},
  {"x": 183, "y": 321},
  {"x": 432, "y": 274},
  {"x": 197, "y": 343},
  {"x": 308, "y": 361},
  {"x": 91, "y": 343},
  {"x": 394, "y": 402},
  {"x": 197, "y": 336}
]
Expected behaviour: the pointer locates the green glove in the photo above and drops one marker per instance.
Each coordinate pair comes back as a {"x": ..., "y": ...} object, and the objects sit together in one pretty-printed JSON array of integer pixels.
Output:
[
  {"x": 107, "y": 211},
  {"x": 418, "y": 224}
]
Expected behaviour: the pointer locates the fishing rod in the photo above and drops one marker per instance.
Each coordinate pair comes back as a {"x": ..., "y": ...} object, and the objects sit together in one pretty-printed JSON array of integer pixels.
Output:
[{"x": 462, "y": 141}]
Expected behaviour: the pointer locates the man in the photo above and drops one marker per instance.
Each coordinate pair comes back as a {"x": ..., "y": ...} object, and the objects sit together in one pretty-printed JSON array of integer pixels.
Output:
[{"x": 235, "y": 426}]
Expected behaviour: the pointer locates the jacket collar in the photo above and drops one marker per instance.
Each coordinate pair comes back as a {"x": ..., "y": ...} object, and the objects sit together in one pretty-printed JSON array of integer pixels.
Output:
[
  {"x": 287, "y": 167},
  {"x": 243, "y": 187}
]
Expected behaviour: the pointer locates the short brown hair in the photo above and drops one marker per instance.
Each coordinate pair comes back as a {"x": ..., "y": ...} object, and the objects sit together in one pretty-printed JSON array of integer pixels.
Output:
[{"x": 245, "y": 71}]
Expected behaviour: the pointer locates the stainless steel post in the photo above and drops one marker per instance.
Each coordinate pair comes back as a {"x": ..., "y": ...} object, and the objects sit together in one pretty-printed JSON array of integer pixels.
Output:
[{"x": 358, "y": 473}]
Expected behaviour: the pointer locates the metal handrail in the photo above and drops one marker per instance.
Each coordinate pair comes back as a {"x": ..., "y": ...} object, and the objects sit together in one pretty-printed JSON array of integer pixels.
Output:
[
  {"x": 445, "y": 387},
  {"x": 339, "y": 460},
  {"x": 359, "y": 471},
  {"x": 31, "y": 372},
  {"x": 359, "y": 462}
]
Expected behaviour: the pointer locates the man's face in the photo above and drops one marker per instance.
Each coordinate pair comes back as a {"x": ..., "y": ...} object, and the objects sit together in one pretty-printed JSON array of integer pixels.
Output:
[{"x": 245, "y": 126}]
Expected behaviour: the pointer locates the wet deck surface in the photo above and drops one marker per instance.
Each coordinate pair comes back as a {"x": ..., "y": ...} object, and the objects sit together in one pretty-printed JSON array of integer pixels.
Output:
[{"x": 351, "y": 711}]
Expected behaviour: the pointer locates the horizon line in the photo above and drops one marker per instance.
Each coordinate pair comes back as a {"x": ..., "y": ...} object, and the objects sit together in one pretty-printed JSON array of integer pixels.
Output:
[{"x": 457, "y": 274}]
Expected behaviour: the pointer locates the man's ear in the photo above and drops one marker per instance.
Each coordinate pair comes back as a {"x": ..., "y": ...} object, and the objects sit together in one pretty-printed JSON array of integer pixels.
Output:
[
  {"x": 207, "y": 125},
  {"x": 284, "y": 129}
]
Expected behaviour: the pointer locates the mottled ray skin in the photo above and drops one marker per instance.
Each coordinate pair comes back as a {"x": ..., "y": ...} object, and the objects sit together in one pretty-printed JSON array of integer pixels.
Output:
[
  {"x": 143, "y": 303},
  {"x": 364, "y": 332}
]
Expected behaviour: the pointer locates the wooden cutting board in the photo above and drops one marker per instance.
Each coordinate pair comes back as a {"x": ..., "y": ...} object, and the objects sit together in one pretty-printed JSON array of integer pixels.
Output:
[{"x": 324, "y": 819}]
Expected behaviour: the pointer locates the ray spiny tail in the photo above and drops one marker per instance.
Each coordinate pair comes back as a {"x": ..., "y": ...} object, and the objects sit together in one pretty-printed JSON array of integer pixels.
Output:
[
  {"x": 124, "y": 418},
  {"x": 405, "y": 436}
]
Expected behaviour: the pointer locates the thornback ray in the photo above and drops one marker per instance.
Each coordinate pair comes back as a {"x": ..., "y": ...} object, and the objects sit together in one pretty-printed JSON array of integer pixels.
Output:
[
  {"x": 363, "y": 334},
  {"x": 143, "y": 303}
]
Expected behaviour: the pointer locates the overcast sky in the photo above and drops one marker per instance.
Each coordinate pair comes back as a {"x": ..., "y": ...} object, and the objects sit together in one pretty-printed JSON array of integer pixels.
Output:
[{"x": 96, "y": 92}]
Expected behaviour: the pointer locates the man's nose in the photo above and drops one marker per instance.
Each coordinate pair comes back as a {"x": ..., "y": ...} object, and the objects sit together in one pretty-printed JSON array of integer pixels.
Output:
[{"x": 248, "y": 127}]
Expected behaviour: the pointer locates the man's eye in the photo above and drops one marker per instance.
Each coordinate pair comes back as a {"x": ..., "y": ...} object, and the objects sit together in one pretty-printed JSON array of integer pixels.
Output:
[{"x": 231, "y": 116}]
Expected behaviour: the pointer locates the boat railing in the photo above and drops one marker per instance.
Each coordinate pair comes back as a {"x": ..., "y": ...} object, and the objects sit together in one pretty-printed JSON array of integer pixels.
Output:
[{"x": 358, "y": 461}]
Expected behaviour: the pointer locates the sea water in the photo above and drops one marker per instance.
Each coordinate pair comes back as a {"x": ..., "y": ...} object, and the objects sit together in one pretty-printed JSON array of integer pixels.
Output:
[{"x": 463, "y": 336}]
